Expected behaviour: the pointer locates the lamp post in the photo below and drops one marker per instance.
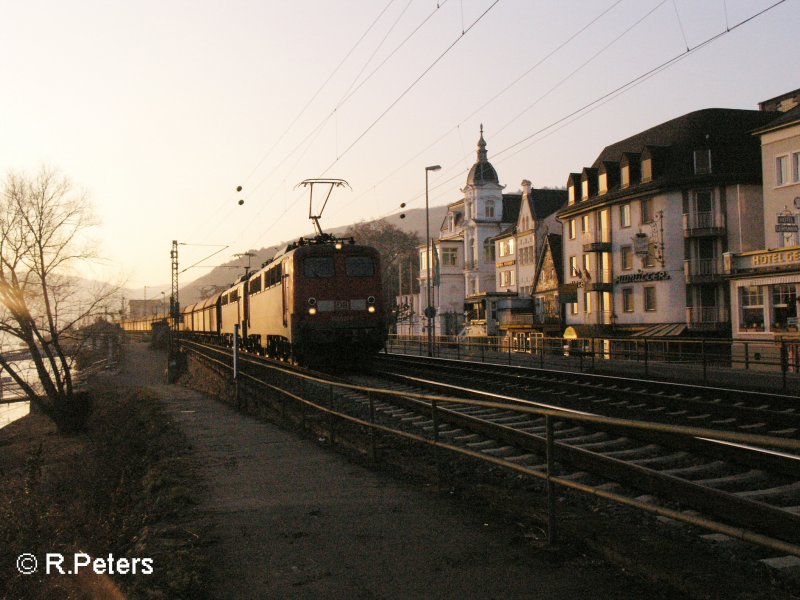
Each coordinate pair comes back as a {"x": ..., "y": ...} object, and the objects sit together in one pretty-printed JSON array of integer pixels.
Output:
[
  {"x": 144, "y": 305},
  {"x": 430, "y": 310},
  {"x": 164, "y": 304}
]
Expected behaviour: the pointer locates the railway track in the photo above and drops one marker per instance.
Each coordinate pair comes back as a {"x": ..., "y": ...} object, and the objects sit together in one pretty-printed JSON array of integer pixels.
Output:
[
  {"x": 741, "y": 490},
  {"x": 723, "y": 409}
]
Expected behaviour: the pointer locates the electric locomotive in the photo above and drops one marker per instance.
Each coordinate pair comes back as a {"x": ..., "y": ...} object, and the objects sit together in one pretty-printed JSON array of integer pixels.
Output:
[{"x": 318, "y": 300}]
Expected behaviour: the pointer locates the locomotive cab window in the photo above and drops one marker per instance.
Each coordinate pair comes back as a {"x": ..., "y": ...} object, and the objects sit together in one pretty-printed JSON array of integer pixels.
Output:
[
  {"x": 319, "y": 267},
  {"x": 359, "y": 266}
]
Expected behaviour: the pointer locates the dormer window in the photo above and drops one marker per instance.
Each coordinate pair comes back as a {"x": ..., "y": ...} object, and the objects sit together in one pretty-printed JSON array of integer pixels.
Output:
[
  {"x": 571, "y": 194},
  {"x": 702, "y": 161},
  {"x": 625, "y": 176},
  {"x": 584, "y": 190}
]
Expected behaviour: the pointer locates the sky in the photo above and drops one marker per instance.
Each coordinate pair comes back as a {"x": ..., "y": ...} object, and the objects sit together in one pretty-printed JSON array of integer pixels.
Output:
[{"x": 159, "y": 110}]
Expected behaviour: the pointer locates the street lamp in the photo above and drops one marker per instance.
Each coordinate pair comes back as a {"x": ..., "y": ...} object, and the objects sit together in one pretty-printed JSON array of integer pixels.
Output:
[
  {"x": 164, "y": 304},
  {"x": 430, "y": 310},
  {"x": 144, "y": 306}
]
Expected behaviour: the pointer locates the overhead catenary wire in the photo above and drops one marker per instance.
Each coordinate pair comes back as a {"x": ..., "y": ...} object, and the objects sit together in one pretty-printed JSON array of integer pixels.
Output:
[{"x": 592, "y": 105}]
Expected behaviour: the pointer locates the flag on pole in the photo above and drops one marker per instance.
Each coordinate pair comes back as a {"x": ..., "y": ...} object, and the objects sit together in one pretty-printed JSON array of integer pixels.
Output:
[{"x": 436, "y": 271}]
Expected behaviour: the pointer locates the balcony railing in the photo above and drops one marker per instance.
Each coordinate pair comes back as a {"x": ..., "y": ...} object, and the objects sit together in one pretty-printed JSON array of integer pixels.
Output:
[
  {"x": 703, "y": 223},
  {"x": 507, "y": 318},
  {"x": 706, "y": 317},
  {"x": 598, "y": 240},
  {"x": 702, "y": 269}
]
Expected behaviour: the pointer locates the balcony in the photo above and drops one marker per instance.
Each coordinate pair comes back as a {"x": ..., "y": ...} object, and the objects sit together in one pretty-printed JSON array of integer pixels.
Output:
[
  {"x": 600, "y": 317},
  {"x": 707, "y": 318},
  {"x": 703, "y": 270},
  {"x": 508, "y": 318},
  {"x": 703, "y": 224},
  {"x": 597, "y": 241},
  {"x": 599, "y": 281}
]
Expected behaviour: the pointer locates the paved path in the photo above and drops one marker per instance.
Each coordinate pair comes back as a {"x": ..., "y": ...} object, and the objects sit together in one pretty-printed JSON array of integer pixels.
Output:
[{"x": 295, "y": 520}]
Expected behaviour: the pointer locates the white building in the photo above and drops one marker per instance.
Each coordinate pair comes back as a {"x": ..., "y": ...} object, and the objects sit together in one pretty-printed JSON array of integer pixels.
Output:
[
  {"x": 464, "y": 283},
  {"x": 647, "y": 225}
]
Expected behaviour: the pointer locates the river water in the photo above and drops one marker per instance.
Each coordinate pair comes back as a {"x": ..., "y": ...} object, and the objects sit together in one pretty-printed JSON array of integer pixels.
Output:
[{"x": 11, "y": 411}]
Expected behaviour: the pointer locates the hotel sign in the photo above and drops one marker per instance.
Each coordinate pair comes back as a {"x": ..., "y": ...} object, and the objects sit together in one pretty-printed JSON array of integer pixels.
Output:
[{"x": 773, "y": 259}]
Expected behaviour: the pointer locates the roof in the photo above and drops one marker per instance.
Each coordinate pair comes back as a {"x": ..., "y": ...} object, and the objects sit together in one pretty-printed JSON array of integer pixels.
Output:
[
  {"x": 726, "y": 133},
  {"x": 788, "y": 118},
  {"x": 662, "y": 330},
  {"x": 482, "y": 171},
  {"x": 710, "y": 127},
  {"x": 511, "y": 204},
  {"x": 543, "y": 202},
  {"x": 552, "y": 244}
]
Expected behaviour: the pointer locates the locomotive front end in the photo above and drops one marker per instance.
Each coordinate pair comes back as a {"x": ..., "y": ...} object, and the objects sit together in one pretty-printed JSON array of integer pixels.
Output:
[{"x": 338, "y": 303}]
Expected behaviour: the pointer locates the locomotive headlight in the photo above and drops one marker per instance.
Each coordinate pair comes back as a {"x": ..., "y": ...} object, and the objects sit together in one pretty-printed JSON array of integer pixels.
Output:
[
  {"x": 371, "y": 309},
  {"x": 312, "y": 310}
]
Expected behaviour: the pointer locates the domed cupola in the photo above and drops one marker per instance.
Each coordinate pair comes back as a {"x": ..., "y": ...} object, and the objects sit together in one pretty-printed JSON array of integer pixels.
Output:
[{"x": 482, "y": 171}]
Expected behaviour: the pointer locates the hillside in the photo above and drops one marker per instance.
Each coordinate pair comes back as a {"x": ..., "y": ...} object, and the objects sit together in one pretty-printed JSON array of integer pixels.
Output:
[{"x": 224, "y": 275}]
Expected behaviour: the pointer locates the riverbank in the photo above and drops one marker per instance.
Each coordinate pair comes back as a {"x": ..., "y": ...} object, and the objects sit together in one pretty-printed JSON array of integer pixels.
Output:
[{"x": 124, "y": 487}]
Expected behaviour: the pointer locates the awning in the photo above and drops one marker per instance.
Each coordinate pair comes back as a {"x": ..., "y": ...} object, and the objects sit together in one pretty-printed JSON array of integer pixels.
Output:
[
  {"x": 662, "y": 330},
  {"x": 575, "y": 332}
]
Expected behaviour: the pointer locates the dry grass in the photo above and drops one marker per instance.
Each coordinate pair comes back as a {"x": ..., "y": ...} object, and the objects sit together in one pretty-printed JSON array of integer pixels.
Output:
[{"x": 122, "y": 487}]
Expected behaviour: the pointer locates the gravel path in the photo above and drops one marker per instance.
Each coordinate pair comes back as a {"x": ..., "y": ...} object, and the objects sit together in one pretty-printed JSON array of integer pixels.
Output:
[{"x": 294, "y": 520}]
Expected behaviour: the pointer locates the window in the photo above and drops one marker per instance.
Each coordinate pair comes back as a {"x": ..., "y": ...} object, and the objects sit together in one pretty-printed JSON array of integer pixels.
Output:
[
  {"x": 649, "y": 299},
  {"x": 627, "y": 299},
  {"x": 796, "y": 166},
  {"x": 506, "y": 279},
  {"x": 587, "y": 264},
  {"x": 572, "y": 229},
  {"x": 573, "y": 266},
  {"x": 319, "y": 267},
  {"x": 449, "y": 257},
  {"x": 647, "y": 210},
  {"x": 784, "y": 307},
  {"x": 489, "y": 209},
  {"x": 573, "y": 308},
  {"x": 359, "y": 266},
  {"x": 625, "y": 215},
  {"x": 254, "y": 285},
  {"x": 752, "y": 308},
  {"x": 585, "y": 223},
  {"x": 488, "y": 251},
  {"x": 587, "y": 302},
  {"x": 702, "y": 161},
  {"x": 649, "y": 259},
  {"x": 626, "y": 257},
  {"x": 782, "y": 170}
]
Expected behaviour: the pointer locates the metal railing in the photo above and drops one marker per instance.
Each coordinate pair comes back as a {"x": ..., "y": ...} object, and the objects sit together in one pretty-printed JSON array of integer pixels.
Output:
[
  {"x": 307, "y": 393},
  {"x": 702, "y": 268},
  {"x": 598, "y": 236},
  {"x": 702, "y": 221},
  {"x": 713, "y": 316},
  {"x": 768, "y": 364}
]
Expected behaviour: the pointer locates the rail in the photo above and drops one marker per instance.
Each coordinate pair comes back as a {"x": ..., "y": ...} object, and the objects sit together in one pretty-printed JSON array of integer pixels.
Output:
[
  {"x": 549, "y": 414},
  {"x": 764, "y": 364}
]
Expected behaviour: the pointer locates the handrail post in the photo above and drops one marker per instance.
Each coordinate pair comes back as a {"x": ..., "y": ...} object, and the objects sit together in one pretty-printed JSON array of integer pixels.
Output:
[
  {"x": 703, "y": 352},
  {"x": 436, "y": 450},
  {"x": 551, "y": 500},
  {"x": 784, "y": 362},
  {"x": 330, "y": 414},
  {"x": 372, "y": 429},
  {"x": 509, "y": 352},
  {"x": 746, "y": 356},
  {"x": 646, "y": 360}
]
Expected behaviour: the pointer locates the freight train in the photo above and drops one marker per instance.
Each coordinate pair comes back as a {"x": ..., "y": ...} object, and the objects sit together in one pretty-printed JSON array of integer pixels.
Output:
[{"x": 320, "y": 300}]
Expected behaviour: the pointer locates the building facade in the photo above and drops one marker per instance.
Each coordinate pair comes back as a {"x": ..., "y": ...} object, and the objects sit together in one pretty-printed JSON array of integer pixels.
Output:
[
  {"x": 764, "y": 283},
  {"x": 647, "y": 225}
]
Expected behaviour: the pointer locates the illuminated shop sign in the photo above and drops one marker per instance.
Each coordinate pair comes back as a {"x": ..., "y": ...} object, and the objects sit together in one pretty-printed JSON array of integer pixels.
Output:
[{"x": 641, "y": 276}]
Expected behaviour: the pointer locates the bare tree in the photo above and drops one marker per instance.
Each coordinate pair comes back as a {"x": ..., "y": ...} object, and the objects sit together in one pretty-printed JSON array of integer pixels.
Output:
[
  {"x": 398, "y": 250},
  {"x": 43, "y": 222}
]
